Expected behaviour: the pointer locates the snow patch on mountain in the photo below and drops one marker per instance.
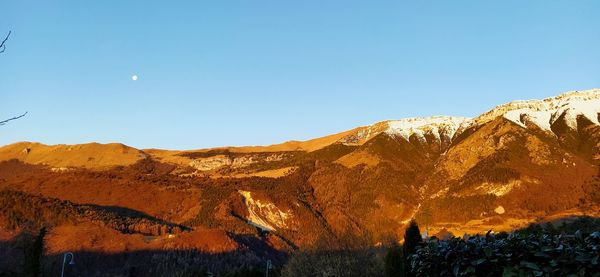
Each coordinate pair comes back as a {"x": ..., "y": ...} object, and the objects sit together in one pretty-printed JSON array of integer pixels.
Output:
[
  {"x": 544, "y": 113},
  {"x": 438, "y": 126},
  {"x": 539, "y": 118},
  {"x": 525, "y": 113}
]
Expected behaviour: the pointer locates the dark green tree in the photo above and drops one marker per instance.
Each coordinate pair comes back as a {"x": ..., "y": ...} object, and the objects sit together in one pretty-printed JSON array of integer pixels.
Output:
[
  {"x": 395, "y": 262},
  {"x": 412, "y": 238}
]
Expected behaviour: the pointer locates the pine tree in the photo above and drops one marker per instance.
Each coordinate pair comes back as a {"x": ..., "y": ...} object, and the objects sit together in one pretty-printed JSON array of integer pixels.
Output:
[{"x": 412, "y": 238}]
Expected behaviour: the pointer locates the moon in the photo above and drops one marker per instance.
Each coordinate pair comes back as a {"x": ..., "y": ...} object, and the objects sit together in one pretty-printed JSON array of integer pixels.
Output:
[{"x": 134, "y": 77}]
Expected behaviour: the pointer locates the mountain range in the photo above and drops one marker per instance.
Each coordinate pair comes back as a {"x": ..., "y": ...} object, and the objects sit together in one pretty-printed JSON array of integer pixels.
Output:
[{"x": 519, "y": 163}]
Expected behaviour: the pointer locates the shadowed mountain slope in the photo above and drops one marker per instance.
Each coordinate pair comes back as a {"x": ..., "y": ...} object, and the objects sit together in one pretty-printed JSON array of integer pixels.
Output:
[{"x": 518, "y": 163}]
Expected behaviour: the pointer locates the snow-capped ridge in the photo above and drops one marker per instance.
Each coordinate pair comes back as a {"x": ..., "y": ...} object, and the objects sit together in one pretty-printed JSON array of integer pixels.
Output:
[
  {"x": 442, "y": 128},
  {"x": 544, "y": 113},
  {"x": 525, "y": 113},
  {"x": 438, "y": 126}
]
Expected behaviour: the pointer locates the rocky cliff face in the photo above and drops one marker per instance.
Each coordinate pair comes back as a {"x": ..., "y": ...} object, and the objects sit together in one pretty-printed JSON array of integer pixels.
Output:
[{"x": 512, "y": 165}]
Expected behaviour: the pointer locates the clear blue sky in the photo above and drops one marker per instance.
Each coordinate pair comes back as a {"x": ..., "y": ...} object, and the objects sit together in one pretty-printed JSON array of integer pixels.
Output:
[{"x": 214, "y": 73}]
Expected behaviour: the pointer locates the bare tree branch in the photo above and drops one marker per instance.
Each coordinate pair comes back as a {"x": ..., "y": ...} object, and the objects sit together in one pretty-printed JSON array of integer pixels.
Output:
[
  {"x": 3, "y": 44},
  {"x": 16, "y": 117},
  {"x": 2, "y": 48}
]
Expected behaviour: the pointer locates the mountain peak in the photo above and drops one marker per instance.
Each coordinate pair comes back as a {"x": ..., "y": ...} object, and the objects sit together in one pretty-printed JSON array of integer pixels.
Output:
[
  {"x": 88, "y": 155},
  {"x": 543, "y": 113},
  {"x": 546, "y": 112}
]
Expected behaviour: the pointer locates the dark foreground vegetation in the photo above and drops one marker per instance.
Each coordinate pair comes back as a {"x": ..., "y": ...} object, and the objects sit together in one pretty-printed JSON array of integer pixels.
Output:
[
  {"x": 514, "y": 254},
  {"x": 567, "y": 249}
]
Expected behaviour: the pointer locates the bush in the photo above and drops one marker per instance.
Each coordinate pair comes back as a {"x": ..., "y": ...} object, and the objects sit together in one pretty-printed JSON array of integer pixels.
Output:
[
  {"x": 334, "y": 263},
  {"x": 510, "y": 255},
  {"x": 248, "y": 272}
]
